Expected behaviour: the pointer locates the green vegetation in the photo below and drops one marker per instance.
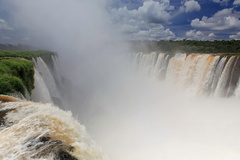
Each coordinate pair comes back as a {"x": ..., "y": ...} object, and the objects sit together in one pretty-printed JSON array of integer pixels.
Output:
[
  {"x": 189, "y": 46},
  {"x": 24, "y": 54},
  {"x": 17, "y": 70},
  {"x": 16, "y": 75},
  {"x": 10, "y": 84}
]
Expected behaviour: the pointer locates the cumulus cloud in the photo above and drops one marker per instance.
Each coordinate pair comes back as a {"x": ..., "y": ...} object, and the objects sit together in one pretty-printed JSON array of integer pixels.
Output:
[
  {"x": 221, "y": 1},
  {"x": 235, "y": 36},
  {"x": 191, "y": 6},
  {"x": 236, "y": 2},
  {"x": 141, "y": 30},
  {"x": 154, "y": 34},
  {"x": 223, "y": 20},
  {"x": 198, "y": 35},
  {"x": 150, "y": 11},
  {"x": 211, "y": 35},
  {"x": 146, "y": 21},
  {"x": 4, "y": 25}
]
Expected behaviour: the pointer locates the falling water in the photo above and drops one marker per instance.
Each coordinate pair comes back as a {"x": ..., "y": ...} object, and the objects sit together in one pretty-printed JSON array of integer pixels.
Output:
[
  {"x": 48, "y": 81},
  {"x": 40, "y": 93},
  {"x": 224, "y": 78},
  {"x": 47, "y": 75},
  {"x": 201, "y": 74}
]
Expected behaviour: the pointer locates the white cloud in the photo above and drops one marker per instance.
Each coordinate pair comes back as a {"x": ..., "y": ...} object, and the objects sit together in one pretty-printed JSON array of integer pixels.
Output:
[
  {"x": 236, "y": 2},
  {"x": 211, "y": 35},
  {"x": 223, "y": 20},
  {"x": 191, "y": 6},
  {"x": 4, "y": 25},
  {"x": 146, "y": 21},
  {"x": 154, "y": 34},
  {"x": 150, "y": 11},
  {"x": 198, "y": 35},
  {"x": 221, "y": 1},
  {"x": 141, "y": 30},
  {"x": 235, "y": 36}
]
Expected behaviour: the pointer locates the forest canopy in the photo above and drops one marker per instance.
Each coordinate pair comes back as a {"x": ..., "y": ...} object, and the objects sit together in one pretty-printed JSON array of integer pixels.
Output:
[{"x": 188, "y": 46}]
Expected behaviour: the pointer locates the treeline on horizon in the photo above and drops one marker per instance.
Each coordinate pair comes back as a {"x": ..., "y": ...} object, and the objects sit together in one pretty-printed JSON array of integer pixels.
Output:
[
  {"x": 183, "y": 46},
  {"x": 188, "y": 46},
  {"x": 16, "y": 47}
]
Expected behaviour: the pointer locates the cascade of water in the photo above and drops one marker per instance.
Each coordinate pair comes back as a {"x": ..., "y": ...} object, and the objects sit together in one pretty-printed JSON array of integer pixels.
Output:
[
  {"x": 175, "y": 67},
  {"x": 218, "y": 72},
  {"x": 137, "y": 59},
  {"x": 199, "y": 73},
  {"x": 48, "y": 79},
  {"x": 140, "y": 61},
  {"x": 224, "y": 78},
  {"x": 40, "y": 93},
  {"x": 146, "y": 62},
  {"x": 204, "y": 73},
  {"x": 151, "y": 63},
  {"x": 195, "y": 72},
  {"x": 233, "y": 78},
  {"x": 56, "y": 70},
  {"x": 237, "y": 91},
  {"x": 188, "y": 70},
  {"x": 165, "y": 65},
  {"x": 159, "y": 66},
  {"x": 46, "y": 74}
]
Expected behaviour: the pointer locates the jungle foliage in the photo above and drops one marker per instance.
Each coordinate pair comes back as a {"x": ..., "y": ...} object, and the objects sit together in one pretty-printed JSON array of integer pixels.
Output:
[
  {"x": 16, "y": 75},
  {"x": 188, "y": 46},
  {"x": 17, "y": 70},
  {"x": 24, "y": 54}
]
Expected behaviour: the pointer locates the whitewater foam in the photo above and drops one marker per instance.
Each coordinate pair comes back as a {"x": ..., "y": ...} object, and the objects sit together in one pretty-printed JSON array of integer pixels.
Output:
[{"x": 42, "y": 131}]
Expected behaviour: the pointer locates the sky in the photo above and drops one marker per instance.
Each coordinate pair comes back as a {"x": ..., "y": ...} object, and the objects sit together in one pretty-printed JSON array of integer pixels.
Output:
[{"x": 151, "y": 20}]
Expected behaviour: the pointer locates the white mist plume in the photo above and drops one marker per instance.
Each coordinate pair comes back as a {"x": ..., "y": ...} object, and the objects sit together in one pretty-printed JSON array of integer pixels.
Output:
[
  {"x": 131, "y": 117},
  {"x": 56, "y": 22},
  {"x": 80, "y": 31}
]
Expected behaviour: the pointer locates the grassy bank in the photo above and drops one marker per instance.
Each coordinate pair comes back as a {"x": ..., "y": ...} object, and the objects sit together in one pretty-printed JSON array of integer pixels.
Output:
[{"x": 17, "y": 70}]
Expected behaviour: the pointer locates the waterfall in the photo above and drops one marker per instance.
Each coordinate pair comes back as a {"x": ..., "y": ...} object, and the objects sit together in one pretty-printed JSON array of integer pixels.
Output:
[
  {"x": 40, "y": 92},
  {"x": 224, "y": 79},
  {"x": 47, "y": 81},
  {"x": 200, "y": 74}
]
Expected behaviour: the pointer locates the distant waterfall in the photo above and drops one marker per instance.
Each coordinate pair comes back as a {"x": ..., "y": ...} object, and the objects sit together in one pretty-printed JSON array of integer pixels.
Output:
[
  {"x": 47, "y": 81},
  {"x": 201, "y": 74}
]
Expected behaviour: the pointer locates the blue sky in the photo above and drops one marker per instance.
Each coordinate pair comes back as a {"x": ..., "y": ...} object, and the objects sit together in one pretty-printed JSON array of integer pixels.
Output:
[
  {"x": 154, "y": 20},
  {"x": 178, "y": 19}
]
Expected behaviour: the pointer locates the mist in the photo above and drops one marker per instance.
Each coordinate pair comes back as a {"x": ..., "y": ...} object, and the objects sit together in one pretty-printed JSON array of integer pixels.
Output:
[{"x": 130, "y": 116}]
